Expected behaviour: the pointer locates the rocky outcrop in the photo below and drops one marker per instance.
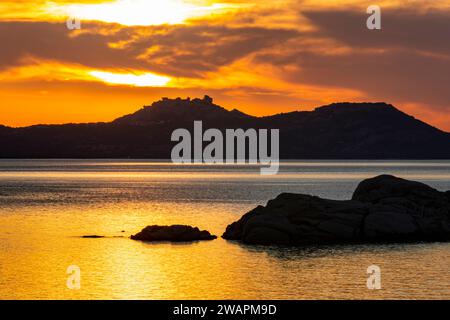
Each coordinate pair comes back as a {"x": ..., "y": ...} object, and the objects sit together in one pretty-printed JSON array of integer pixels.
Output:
[
  {"x": 176, "y": 233},
  {"x": 382, "y": 209}
]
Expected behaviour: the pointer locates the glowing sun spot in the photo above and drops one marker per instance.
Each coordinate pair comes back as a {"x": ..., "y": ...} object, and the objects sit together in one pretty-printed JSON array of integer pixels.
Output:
[
  {"x": 138, "y": 12},
  {"x": 142, "y": 80}
]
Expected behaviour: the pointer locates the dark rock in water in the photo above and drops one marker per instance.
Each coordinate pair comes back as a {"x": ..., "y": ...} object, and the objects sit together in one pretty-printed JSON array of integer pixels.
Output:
[
  {"x": 174, "y": 233},
  {"x": 93, "y": 237},
  {"x": 383, "y": 209}
]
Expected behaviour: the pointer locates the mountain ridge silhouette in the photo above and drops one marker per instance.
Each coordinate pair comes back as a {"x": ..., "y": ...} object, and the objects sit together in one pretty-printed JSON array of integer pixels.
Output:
[{"x": 337, "y": 131}]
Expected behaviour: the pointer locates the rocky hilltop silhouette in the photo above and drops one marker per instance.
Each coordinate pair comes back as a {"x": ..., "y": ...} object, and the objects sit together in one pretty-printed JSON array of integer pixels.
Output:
[{"x": 337, "y": 131}]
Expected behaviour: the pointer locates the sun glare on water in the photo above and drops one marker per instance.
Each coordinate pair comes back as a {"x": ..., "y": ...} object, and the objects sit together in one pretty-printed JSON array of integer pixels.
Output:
[{"x": 139, "y": 12}]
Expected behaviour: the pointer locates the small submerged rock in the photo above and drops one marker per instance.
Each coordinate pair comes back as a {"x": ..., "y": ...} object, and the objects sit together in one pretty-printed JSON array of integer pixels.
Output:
[{"x": 175, "y": 233}]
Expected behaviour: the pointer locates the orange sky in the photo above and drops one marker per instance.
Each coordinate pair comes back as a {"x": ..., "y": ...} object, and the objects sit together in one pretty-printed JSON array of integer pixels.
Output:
[{"x": 259, "y": 57}]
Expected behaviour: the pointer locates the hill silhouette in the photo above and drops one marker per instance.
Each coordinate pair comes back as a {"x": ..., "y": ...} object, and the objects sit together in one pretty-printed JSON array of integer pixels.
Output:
[{"x": 336, "y": 131}]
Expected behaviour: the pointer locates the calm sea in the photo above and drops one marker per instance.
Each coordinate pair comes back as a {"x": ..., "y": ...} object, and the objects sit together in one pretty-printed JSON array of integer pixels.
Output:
[{"x": 46, "y": 205}]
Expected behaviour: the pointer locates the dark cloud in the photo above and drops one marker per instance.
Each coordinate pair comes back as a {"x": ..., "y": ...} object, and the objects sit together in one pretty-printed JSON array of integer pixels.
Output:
[
  {"x": 181, "y": 50},
  {"x": 192, "y": 50},
  {"x": 416, "y": 30},
  {"x": 396, "y": 75},
  {"x": 55, "y": 42},
  {"x": 407, "y": 61}
]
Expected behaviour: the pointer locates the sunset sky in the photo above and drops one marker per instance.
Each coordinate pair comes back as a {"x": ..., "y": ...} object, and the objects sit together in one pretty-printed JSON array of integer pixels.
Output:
[{"x": 261, "y": 57}]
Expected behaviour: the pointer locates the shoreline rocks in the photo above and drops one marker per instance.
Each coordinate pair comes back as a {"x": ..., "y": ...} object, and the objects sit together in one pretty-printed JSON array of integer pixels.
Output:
[
  {"x": 382, "y": 209},
  {"x": 175, "y": 233}
]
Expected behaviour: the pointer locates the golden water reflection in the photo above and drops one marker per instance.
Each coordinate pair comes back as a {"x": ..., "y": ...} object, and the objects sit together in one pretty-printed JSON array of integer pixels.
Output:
[
  {"x": 44, "y": 213},
  {"x": 36, "y": 250}
]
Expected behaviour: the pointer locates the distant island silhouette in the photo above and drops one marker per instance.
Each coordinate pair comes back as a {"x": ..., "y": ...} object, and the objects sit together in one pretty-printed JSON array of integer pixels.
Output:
[{"x": 337, "y": 131}]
